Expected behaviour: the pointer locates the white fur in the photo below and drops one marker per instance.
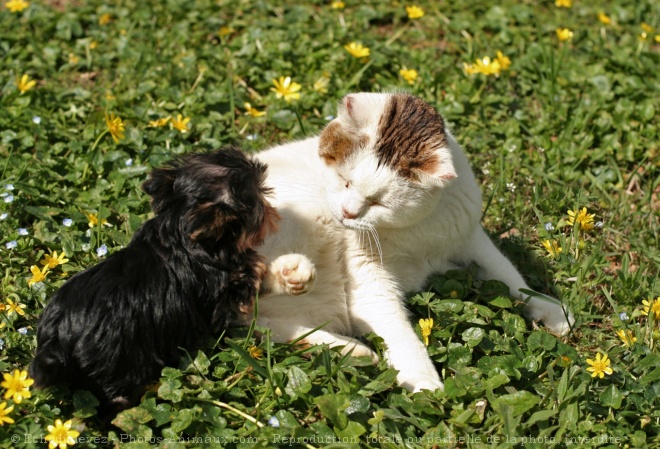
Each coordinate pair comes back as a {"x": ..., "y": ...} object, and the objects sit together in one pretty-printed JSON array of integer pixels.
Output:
[{"x": 373, "y": 236}]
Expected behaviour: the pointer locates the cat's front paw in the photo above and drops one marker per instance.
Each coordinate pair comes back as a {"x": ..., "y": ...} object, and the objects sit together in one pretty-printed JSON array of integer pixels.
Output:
[
  {"x": 294, "y": 274},
  {"x": 552, "y": 315},
  {"x": 419, "y": 383}
]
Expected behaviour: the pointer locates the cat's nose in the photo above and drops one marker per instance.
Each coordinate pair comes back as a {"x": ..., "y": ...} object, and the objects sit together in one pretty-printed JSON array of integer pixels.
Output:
[{"x": 347, "y": 214}]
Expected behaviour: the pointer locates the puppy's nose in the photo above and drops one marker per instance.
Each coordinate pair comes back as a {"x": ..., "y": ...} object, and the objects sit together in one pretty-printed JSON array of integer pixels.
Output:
[{"x": 347, "y": 214}]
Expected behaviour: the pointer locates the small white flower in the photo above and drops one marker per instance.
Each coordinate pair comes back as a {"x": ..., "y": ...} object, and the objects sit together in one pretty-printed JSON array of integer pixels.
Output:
[
  {"x": 252, "y": 136},
  {"x": 22, "y": 231},
  {"x": 511, "y": 186},
  {"x": 36, "y": 119},
  {"x": 623, "y": 316},
  {"x": 22, "y": 331},
  {"x": 3, "y": 194},
  {"x": 549, "y": 227},
  {"x": 85, "y": 247},
  {"x": 4, "y": 215},
  {"x": 599, "y": 224},
  {"x": 102, "y": 250},
  {"x": 128, "y": 162},
  {"x": 2, "y": 344},
  {"x": 67, "y": 222},
  {"x": 9, "y": 187},
  {"x": 12, "y": 244},
  {"x": 9, "y": 198},
  {"x": 274, "y": 422},
  {"x": 329, "y": 117}
]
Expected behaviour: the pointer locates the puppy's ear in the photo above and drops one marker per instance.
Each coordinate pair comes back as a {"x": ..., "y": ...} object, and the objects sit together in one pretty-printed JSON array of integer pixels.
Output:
[{"x": 160, "y": 186}]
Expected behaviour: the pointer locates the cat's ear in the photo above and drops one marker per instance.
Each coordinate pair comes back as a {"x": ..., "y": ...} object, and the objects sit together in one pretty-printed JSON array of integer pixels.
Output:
[
  {"x": 360, "y": 112},
  {"x": 438, "y": 169}
]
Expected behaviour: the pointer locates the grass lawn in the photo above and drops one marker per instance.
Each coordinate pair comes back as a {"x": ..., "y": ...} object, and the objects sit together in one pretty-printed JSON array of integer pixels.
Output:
[{"x": 555, "y": 103}]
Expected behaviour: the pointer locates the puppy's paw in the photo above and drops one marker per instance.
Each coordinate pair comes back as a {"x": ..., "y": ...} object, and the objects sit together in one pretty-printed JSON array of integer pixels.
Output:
[{"x": 294, "y": 274}]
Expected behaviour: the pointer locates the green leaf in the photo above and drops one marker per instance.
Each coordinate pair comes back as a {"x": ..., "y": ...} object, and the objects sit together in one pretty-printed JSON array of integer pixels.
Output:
[
  {"x": 351, "y": 432},
  {"x": 85, "y": 404},
  {"x": 518, "y": 402},
  {"x": 502, "y": 302},
  {"x": 182, "y": 420},
  {"x": 447, "y": 305},
  {"x": 201, "y": 364},
  {"x": 132, "y": 422},
  {"x": 473, "y": 336},
  {"x": 332, "y": 406},
  {"x": 170, "y": 390},
  {"x": 541, "y": 416},
  {"x": 611, "y": 397},
  {"x": 541, "y": 340},
  {"x": 299, "y": 382}
]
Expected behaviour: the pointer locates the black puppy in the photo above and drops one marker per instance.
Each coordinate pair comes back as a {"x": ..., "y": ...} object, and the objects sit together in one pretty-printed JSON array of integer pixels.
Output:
[{"x": 186, "y": 274}]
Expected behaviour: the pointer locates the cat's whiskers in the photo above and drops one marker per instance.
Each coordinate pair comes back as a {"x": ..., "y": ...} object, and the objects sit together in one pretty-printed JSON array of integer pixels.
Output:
[{"x": 373, "y": 232}]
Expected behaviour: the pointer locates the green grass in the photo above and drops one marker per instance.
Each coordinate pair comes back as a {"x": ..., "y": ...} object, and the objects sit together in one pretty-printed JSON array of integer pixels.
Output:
[{"x": 568, "y": 125}]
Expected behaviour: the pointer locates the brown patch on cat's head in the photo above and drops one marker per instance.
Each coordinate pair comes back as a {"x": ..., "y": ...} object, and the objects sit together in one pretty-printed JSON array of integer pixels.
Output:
[
  {"x": 336, "y": 144},
  {"x": 409, "y": 132}
]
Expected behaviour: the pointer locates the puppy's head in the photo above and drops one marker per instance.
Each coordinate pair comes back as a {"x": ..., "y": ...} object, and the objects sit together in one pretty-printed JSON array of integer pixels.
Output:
[{"x": 219, "y": 196}]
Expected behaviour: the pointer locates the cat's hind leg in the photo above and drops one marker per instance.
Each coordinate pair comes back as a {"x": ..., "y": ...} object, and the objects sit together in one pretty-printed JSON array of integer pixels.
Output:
[
  {"x": 284, "y": 331},
  {"x": 494, "y": 265}
]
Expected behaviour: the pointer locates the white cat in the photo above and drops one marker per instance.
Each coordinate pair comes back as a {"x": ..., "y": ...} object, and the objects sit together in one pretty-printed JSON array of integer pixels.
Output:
[{"x": 382, "y": 199}]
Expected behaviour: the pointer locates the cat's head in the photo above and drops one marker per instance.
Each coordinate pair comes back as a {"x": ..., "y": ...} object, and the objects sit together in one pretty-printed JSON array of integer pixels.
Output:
[{"x": 388, "y": 158}]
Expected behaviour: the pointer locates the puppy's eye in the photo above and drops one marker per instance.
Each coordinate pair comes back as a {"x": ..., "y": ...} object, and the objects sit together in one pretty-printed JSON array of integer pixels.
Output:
[{"x": 347, "y": 184}]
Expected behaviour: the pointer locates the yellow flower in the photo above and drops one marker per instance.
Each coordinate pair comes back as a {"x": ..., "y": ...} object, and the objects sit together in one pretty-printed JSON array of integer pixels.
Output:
[
  {"x": 16, "y": 5},
  {"x": 657, "y": 37},
  {"x": 337, "y": 5},
  {"x": 426, "y": 324},
  {"x": 225, "y": 31},
  {"x": 585, "y": 220},
  {"x": 24, "y": 83},
  {"x": 252, "y": 112},
  {"x": 600, "y": 366},
  {"x": 321, "y": 85},
  {"x": 73, "y": 59},
  {"x": 60, "y": 435},
  {"x": 488, "y": 67},
  {"x": 53, "y": 260},
  {"x": 357, "y": 50},
  {"x": 647, "y": 28},
  {"x": 3, "y": 414},
  {"x": 160, "y": 122},
  {"x": 414, "y": 12},
  {"x": 409, "y": 75},
  {"x": 563, "y": 3},
  {"x": 93, "y": 45},
  {"x": 652, "y": 306},
  {"x": 94, "y": 220},
  {"x": 627, "y": 337},
  {"x": 115, "y": 126},
  {"x": 552, "y": 247},
  {"x": 255, "y": 353},
  {"x": 285, "y": 88},
  {"x": 181, "y": 123},
  {"x": 17, "y": 385},
  {"x": 105, "y": 19},
  {"x": 13, "y": 307},
  {"x": 503, "y": 60},
  {"x": 109, "y": 96},
  {"x": 642, "y": 37},
  {"x": 470, "y": 69},
  {"x": 604, "y": 19},
  {"x": 564, "y": 34},
  {"x": 37, "y": 275}
]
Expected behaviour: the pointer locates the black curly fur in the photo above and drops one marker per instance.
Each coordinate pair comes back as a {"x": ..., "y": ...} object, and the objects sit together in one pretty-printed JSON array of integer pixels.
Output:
[{"x": 186, "y": 274}]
